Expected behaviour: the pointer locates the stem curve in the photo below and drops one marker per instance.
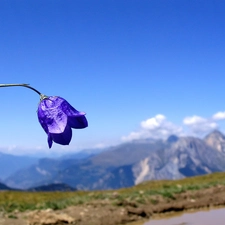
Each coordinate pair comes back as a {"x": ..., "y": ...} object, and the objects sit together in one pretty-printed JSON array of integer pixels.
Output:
[{"x": 21, "y": 85}]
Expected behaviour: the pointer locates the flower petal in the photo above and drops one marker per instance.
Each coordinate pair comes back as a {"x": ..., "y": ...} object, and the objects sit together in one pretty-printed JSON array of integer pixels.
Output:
[
  {"x": 50, "y": 115},
  {"x": 77, "y": 122},
  {"x": 56, "y": 122},
  {"x": 43, "y": 124},
  {"x": 49, "y": 141},
  {"x": 69, "y": 110},
  {"x": 63, "y": 138}
]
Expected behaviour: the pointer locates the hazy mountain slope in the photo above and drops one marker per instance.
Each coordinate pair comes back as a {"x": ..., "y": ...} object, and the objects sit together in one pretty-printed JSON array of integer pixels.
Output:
[
  {"x": 83, "y": 173},
  {"x": 130, "y": 163},
  {"x": 9, "y": 164},
  {"x": 4, "y": 187},
  {"x": 42, "y": 171},
  {"x": 128, "y": 153}
]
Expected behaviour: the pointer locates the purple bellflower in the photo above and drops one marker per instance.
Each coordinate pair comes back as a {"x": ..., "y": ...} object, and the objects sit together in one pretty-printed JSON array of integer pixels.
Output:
[{"x": 56, "y": 117}]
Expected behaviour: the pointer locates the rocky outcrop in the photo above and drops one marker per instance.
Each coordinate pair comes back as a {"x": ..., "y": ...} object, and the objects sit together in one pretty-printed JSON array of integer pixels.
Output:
[
  {"x": 49, "y": 217},
  {"x": 186, "y": 157},
  {"x": 216, "y": 140}
]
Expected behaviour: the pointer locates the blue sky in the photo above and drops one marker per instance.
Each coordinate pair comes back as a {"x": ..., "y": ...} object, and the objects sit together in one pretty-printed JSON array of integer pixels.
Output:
[{"x": 138, "y": 69}]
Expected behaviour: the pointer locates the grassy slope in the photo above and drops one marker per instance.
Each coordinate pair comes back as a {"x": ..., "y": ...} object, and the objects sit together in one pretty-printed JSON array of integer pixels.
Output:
[{"x": 142, "y": 193}]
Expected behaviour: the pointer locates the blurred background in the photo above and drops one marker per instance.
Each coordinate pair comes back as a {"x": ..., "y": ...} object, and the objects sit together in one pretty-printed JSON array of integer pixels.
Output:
[{"x": 139, "y": 69}]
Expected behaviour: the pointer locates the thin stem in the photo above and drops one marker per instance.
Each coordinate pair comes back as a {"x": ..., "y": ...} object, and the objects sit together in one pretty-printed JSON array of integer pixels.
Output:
[{"x": 21, "y": 85}]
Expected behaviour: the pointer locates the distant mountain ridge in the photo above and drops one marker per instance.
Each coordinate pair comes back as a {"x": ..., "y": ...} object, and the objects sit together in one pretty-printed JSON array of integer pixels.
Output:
[
  {"x": 9, "y": 164},
  {"x": 129, "y": 164},
  {"x": 4, "y": 187},
  {"x": 52, "y": 187},
  {"x": 44, "y": 188},
  {"x": 81, "y": 173}
]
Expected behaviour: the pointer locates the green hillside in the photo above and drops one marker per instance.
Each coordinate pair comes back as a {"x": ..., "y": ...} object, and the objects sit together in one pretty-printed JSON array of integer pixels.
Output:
[{"x": 144, "y": 193}]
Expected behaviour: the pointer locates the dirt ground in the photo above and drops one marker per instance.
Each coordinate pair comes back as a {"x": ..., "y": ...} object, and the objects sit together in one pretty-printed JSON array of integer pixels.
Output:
[{"x": 102, "y": 212}]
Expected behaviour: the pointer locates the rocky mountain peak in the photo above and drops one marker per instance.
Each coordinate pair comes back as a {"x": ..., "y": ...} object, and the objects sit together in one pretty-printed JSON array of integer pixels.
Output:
[
  {"x": 215, "y": 134},
  {"x": 216, "y": 140},
  {"x": 187, "y": 143},
  {"x": 172, "y": 138}
]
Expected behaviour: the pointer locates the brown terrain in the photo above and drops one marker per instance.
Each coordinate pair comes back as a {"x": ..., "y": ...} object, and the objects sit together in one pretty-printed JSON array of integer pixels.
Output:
[{"x": 103, "y": 212}]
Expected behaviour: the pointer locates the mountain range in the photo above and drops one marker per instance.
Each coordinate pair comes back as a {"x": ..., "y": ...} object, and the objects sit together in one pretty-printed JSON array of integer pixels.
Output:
[
  {"x": 128, "y": 164},
  {"x": 9, "y": 164}
]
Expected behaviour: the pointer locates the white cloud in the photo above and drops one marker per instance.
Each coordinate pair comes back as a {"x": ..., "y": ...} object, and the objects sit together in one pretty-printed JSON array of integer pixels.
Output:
[
  {"x": 135, "y": 135},
  {"x": 219, "y": 116},
  {"x": 154, "y": 122},
  {"x": 101, "y": 145},
  {"x": 157, "y": 127},
  {"x": 199, "y": 125},
  {"x": 194, "y": 120}
]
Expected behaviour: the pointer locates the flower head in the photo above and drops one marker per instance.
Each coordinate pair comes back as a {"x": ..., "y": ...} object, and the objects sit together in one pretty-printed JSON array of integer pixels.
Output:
[{"x": 57, "y": 117}]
